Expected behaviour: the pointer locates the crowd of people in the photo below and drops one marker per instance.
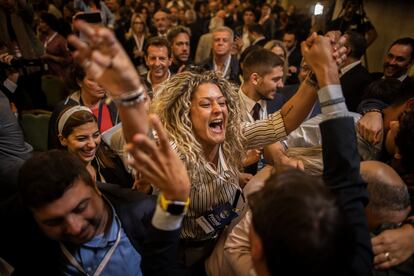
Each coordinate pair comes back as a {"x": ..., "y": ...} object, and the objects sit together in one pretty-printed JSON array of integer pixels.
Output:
[{"x": 204, "y": 138}]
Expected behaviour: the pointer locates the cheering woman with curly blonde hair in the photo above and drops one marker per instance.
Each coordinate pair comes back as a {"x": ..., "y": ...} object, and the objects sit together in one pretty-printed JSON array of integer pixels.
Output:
[{"x": 202, "y": 117}]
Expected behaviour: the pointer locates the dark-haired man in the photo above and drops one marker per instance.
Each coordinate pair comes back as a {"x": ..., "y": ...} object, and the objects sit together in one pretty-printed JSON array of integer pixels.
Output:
[
  {"x": 307, "y": 234},
  {"x": 249, "y": 17},
  {"x": 399, "y": 58},
  {"x": 294, "y": 56},
  {"x": 262, "y": 76},
  {"x": 158, "y": 60},
  {"x": 92, "y": 229},
  {"x": 256, "y": 34},
  {"x": 179, "y": 38},
  {"x": 354, "y": 77}
]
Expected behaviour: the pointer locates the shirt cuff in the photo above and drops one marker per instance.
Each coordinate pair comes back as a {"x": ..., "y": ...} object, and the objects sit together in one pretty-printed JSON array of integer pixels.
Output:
[
  {"x": 163, "y": 220},
  {"x": 332, "y": 100},
  {"x": 10, "y": 85}
]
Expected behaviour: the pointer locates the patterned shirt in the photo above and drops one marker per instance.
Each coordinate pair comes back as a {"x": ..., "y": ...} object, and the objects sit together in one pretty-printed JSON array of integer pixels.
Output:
[{"x": 220, "y": 186}]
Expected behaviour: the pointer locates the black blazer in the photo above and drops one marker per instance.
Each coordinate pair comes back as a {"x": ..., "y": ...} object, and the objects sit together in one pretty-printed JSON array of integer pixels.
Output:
[
  {"x": 353, "y": 85},
  {"x": 234, "y": 68},
  {"x": 341, "y": 174}
]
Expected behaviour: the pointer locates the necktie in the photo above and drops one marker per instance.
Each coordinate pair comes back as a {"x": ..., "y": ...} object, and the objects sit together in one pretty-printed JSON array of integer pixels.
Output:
[{"x": 256, "y": 111}]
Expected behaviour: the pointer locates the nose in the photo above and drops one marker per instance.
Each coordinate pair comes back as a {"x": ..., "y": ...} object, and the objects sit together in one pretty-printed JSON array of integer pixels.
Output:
[
  {"x": 73, "y": 225},
  {"x": 393, "y": 61},
  {"x": 216, "y": 107},
  {"x": 91, "y": 143},
  {"x": 280, "y": 84},
  {"x": 157, "y": 62}
]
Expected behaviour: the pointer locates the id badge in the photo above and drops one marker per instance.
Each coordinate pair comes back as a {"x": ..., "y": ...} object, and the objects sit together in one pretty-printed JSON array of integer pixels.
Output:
[{"x": 217, "y": 218}]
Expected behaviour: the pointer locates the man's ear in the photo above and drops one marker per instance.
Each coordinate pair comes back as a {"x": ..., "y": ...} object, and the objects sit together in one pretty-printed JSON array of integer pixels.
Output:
[{"x": 254, "y": 77}]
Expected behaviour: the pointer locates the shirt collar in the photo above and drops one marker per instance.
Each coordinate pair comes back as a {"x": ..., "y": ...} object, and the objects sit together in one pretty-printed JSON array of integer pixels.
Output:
[
  {"x": 249, "y": 103},
  {"x": 347, "y": 68},
  {"x": 258, "y": 39},
  {"x": 402, "y": 78},
  {"x": 149, "y": 78}
]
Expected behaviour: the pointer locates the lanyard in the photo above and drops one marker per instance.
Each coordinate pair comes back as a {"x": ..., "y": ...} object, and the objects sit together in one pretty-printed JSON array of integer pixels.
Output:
[
  {"x": 226, "y": 67},
  {"x": 49, "y": 40},
  {"x": 139, "y": 42},
  {"x": 105, "y": 260}
]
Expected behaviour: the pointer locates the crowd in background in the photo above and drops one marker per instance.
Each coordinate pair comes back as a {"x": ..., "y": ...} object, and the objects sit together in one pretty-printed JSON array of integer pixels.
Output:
[{"x": 251, "y": 64}]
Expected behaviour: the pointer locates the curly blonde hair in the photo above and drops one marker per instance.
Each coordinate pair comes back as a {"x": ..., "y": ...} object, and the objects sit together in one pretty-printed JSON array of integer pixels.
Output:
[{"x": 172, "y": 103}]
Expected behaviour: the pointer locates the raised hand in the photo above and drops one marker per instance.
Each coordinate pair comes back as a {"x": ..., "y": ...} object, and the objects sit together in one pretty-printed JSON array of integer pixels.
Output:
[
  {"x": 160, "y": 165},
  {"x": 104, "y": 59},
  {"x": 319, "y": 55}
]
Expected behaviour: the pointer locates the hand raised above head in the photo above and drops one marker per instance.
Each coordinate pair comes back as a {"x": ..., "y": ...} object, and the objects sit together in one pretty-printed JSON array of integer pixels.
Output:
[
  {"x": 319, "y": 55},
  {"x": 104, "y": 59},
  {"x": 338, "y": 42},
  {"x": 160, "y": 165}
]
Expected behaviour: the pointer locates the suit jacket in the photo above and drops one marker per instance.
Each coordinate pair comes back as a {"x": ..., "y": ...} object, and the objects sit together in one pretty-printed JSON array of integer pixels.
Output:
[
  {"x": 353, "y": 85},
  {"x": 341, "y": 174},
  {"x": 283, "y": 95},
  {"x": 234, "y": 68},
  {"x": 294, "y": 59},
  {"x": 156, "y": 247}
]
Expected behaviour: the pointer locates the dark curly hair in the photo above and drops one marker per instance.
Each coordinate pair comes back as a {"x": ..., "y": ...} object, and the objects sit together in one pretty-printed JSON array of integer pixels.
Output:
[{"x": 46, "y": 176}]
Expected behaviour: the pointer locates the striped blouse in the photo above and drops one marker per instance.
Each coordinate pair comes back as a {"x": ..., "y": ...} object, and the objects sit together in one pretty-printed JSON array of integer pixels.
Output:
[{"x": 220, "y": 186}]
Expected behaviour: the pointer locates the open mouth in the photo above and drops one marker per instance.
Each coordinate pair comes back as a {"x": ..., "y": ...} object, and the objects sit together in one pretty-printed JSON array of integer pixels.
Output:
[{"x": 216, "y": 125}]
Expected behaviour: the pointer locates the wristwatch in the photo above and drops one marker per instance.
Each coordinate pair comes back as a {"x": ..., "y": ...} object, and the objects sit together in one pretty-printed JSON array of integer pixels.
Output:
[{"x": 173, "y": 207}]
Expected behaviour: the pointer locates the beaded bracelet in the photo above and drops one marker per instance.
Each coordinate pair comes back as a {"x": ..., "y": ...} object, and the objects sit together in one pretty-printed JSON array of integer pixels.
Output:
[{"x": 131, "y": 98}]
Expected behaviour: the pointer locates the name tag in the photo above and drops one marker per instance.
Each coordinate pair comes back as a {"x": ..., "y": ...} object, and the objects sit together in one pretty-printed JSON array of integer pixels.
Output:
[{"x": 217, "y": 218}]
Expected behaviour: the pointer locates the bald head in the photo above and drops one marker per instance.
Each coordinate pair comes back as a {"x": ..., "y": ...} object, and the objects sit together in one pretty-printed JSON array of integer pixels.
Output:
[{"x": 389, "y": 200}]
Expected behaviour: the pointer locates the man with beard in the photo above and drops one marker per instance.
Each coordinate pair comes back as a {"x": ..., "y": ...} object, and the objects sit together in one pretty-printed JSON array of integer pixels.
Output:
[
  {"x": 158, "y": 60},
  {"x": 262, "y": 76},
  {"x": 397, "y": 61},
  {"x": 399, "y": 58},
  {"x": 179, "y": 38}
]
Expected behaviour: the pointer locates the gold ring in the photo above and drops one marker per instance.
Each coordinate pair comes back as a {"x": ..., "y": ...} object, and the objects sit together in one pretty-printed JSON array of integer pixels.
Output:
[{"x": 387, "y": 256}]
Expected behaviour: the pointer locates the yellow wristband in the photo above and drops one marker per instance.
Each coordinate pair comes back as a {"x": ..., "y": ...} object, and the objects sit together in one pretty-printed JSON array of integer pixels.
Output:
[{"x": 173, "y": 207}]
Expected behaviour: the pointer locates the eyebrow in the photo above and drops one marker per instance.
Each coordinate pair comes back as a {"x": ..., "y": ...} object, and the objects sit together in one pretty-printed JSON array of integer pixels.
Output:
[{"x": 57, "y": 218}]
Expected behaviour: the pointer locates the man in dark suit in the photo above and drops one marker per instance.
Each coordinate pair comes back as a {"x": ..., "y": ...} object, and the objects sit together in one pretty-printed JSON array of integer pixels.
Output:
[
  {"x": 294, "y": 56},
  {"x": 397, "y": 61},
  {"x": 257, "y": 35},
  {"x": 222, "y": 60},
  {"x": 353, "y": 76}
]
